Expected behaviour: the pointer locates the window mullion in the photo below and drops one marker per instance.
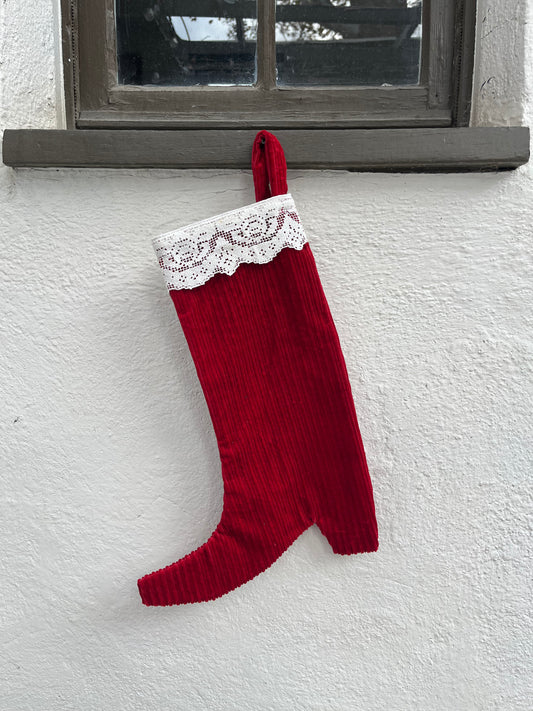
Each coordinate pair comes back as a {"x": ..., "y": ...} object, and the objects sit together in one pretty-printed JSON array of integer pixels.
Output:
[{"x": 266, "y": 44}]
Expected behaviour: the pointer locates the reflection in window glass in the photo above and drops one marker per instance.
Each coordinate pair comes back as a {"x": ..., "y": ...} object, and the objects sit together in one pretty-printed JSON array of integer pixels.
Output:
[
  {"x": 348, "y": 42},
  {"x": 186, "y": 42}
]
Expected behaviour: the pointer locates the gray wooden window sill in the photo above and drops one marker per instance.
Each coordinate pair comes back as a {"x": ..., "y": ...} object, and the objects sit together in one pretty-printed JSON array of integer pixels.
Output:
[{"x": 386, "y": 149}]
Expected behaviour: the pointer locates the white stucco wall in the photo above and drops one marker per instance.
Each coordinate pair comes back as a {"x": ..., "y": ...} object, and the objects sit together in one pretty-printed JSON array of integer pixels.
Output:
[{"x": 109, "y": 466}]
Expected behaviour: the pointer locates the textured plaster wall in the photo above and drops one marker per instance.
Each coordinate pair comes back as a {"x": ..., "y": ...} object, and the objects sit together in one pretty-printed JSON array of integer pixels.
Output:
[{"x": 109, "y": 467}]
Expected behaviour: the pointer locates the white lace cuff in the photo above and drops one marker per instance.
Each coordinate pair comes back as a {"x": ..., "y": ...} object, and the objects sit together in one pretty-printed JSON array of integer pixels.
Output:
[{"x": 255, "y": 234}]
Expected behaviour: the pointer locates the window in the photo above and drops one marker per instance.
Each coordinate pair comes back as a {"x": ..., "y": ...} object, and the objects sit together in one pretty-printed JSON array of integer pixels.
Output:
[
  {"x": 352, "y": 84},
  {"x": 281, "y": 64}
]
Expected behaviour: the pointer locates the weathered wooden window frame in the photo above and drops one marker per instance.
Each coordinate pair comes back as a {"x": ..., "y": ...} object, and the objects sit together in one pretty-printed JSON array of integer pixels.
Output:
[
  {"x": 416, "y": 128},
  {"x": 96, "y": 100}
]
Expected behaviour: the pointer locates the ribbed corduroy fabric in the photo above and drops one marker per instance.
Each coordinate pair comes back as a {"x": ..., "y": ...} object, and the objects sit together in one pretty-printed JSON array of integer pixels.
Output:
[{"x": 274, "y": 377}]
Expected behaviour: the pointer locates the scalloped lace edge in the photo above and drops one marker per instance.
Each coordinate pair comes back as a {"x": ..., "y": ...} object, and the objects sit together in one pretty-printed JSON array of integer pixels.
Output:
[{"x": 253, "y": 234}]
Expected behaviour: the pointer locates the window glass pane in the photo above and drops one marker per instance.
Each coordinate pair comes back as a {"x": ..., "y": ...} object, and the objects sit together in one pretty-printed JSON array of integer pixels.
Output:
[
  {"x": 186, "y": 42},
  {"x": 348, "y": 42}
]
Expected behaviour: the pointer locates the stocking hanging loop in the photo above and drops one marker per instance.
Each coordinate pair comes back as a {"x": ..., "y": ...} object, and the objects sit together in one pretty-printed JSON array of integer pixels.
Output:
[{"x": 268, "y": 166}]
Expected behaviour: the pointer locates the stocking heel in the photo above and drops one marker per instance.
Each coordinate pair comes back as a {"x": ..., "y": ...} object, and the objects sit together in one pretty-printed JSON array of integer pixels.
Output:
[{"x": 349, "y": 537}]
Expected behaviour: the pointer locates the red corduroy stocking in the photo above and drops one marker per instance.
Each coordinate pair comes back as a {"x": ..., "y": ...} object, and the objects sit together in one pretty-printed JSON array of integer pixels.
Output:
[{"x": 252, "y": 308}]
